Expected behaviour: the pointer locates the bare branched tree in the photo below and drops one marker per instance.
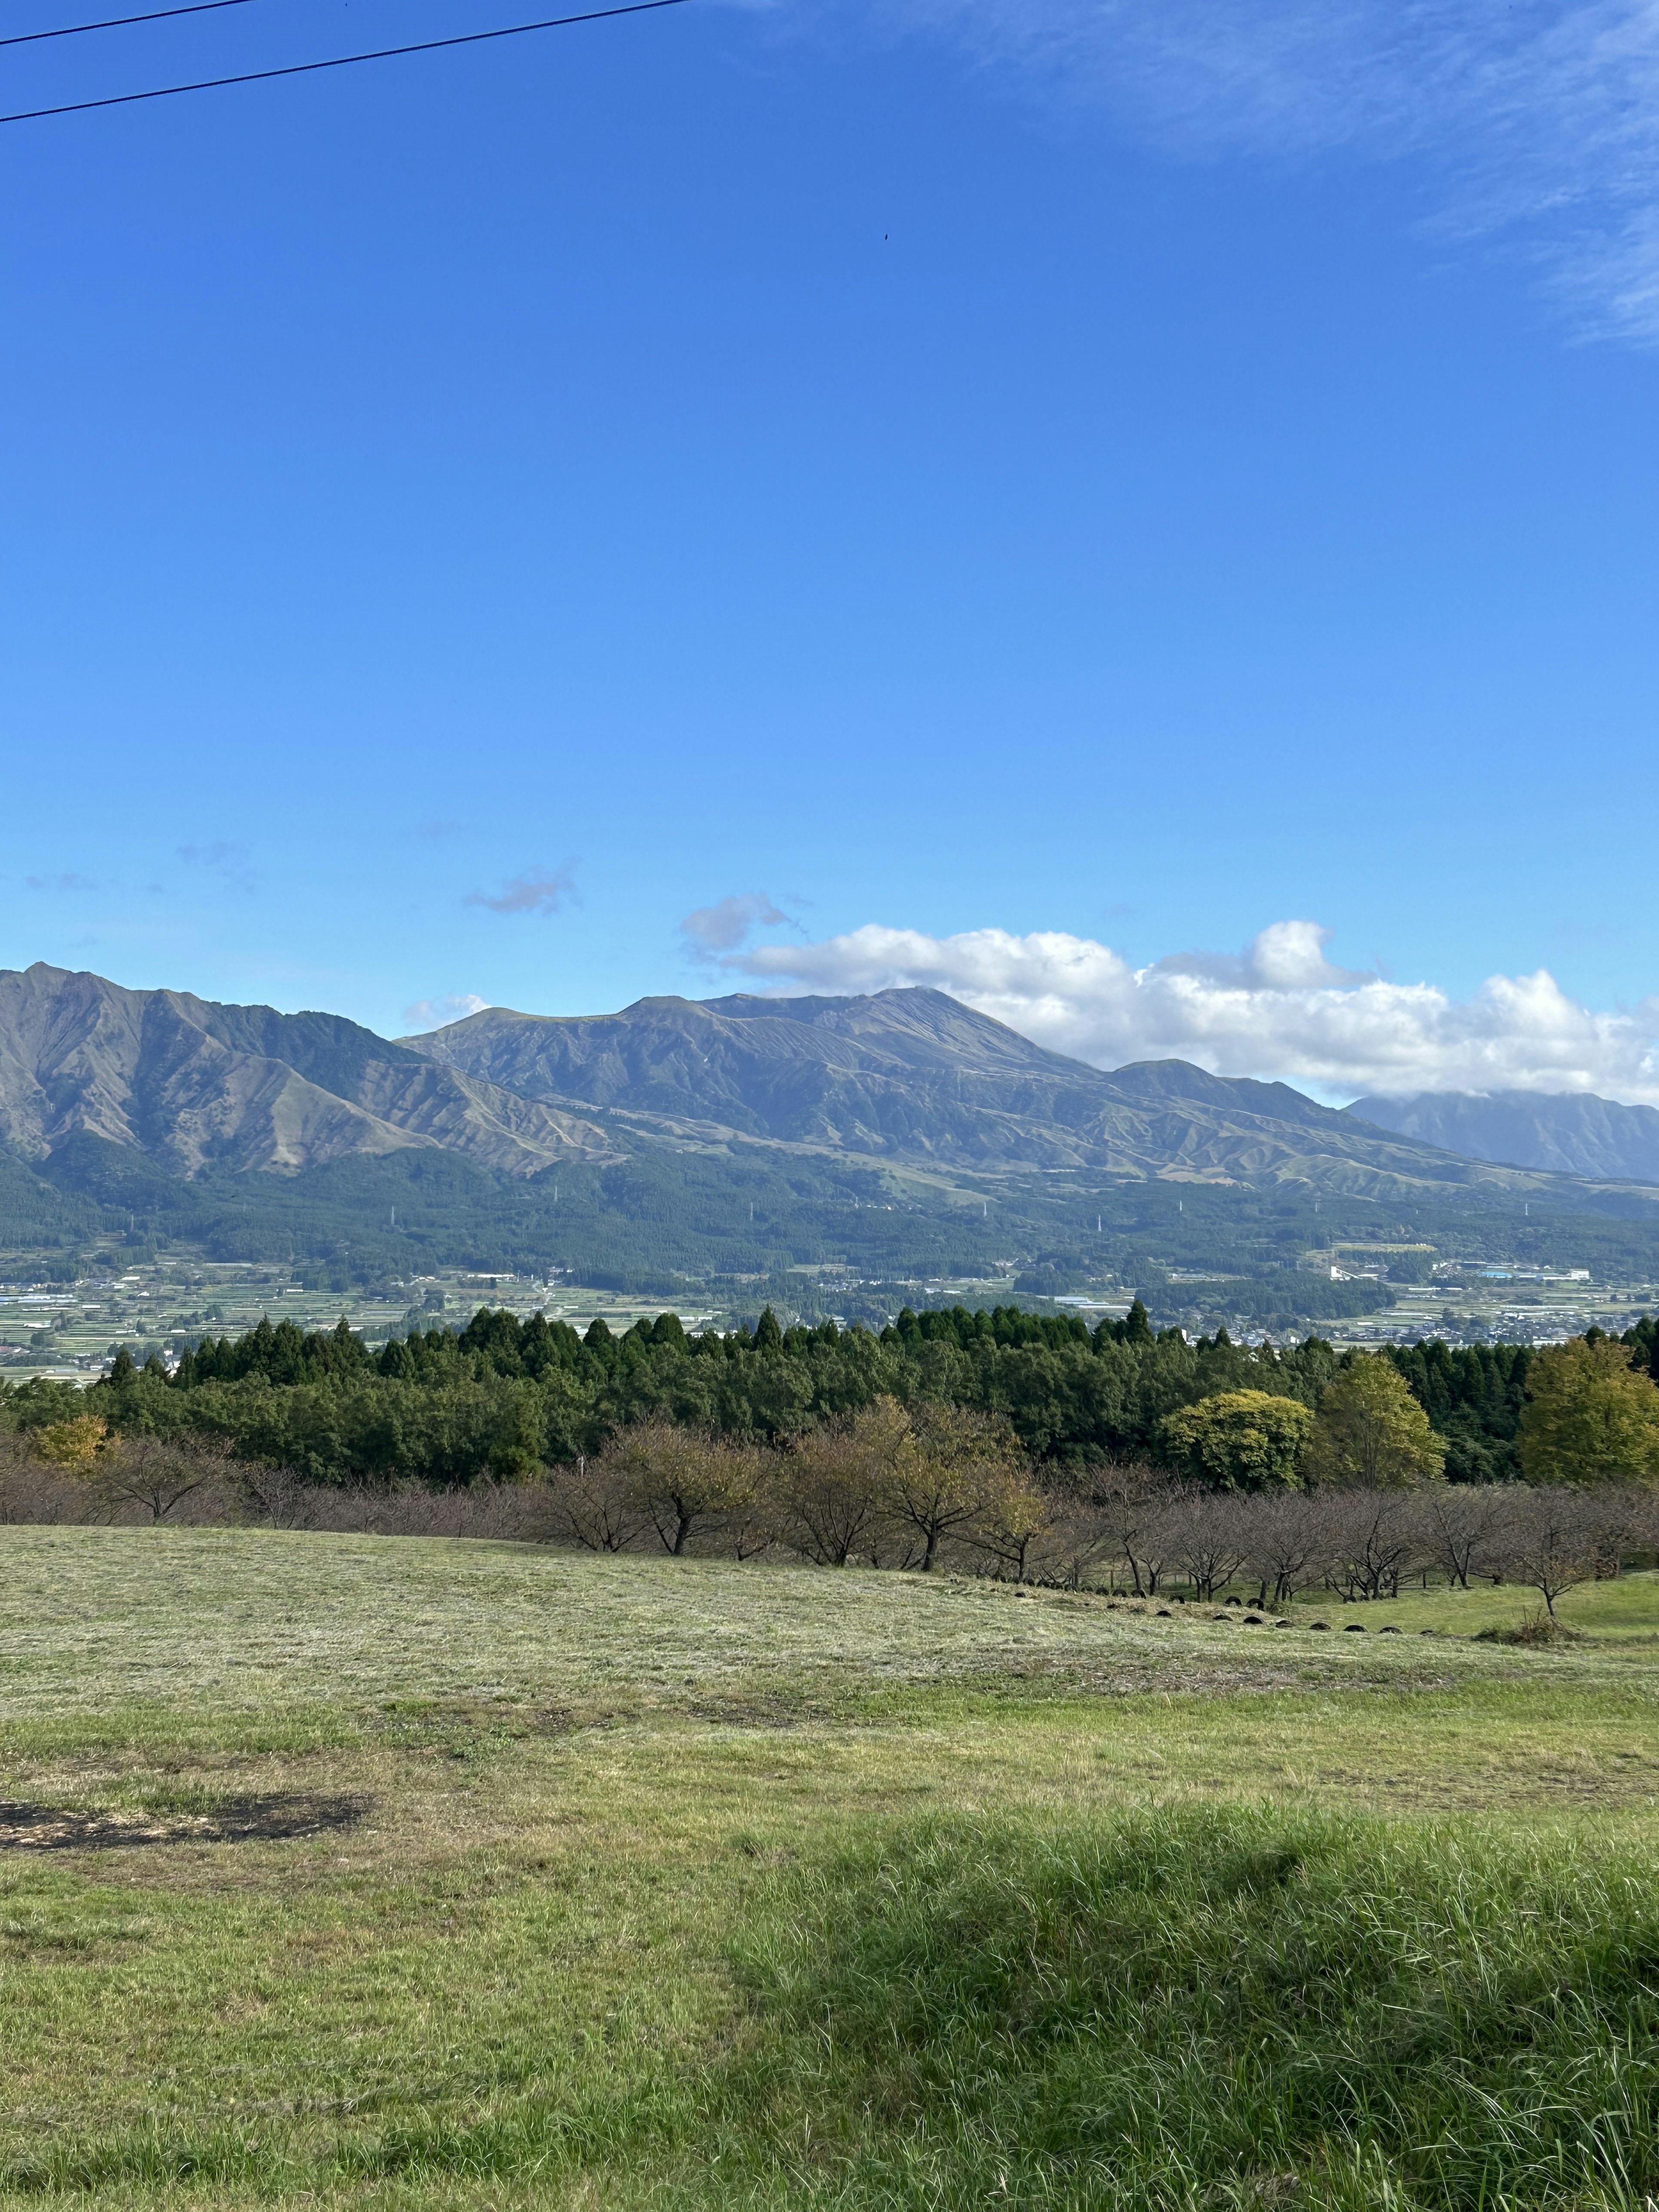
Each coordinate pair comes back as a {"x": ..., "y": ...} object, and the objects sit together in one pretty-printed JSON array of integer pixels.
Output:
[
  {"x": 280, "y": 1497},
  {"x": 1078, "y": 1538},
  {"x": 1285, "y": 1545},
  {"x": 1140, "y": 1510},
  {"x": 1462, "y": 1524},
  {"x": 1556, "y": 1536},
  {"x": 594, "y": 1503},
  {"x": 1375, "y": 1538},
  {"x": 156, "y": 1474},
  {"x": 1212, "y": 1540}
]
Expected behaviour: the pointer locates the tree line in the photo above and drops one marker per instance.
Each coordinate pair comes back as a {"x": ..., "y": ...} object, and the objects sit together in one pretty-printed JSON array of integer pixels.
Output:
[
  {"x": 503, "y": 1397},
  {"x": 919, "y": 1488}
]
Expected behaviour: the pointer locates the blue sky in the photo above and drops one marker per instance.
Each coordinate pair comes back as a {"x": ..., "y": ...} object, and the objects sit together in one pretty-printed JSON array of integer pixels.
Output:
[{"x": 1028, "y": 497}]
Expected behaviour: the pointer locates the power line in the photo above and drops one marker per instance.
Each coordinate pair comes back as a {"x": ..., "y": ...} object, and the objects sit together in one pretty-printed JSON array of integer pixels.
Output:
[
  {"x": 115, "y": 23},
  {"x": 344, "y": 61}
]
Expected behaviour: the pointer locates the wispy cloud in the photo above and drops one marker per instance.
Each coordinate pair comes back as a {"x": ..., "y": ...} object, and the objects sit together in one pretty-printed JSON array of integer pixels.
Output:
[
  {"x": 1537, "y": 119},
  {"x": 436, "y": 1014},
  {"x": 540, "y": 890},
  {"x": 230, "y": 862},
  {"x": 725, "y": 924},
  {"x": 1278, "y": 1009},
  {"x": 63, "y": 882}
]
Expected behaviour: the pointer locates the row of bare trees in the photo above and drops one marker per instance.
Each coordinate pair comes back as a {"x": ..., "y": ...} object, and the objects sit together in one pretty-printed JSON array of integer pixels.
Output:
[
  {"x": 144, "y": 1479},
  {"x": 891, "y": 1486},
  {"x": 1141, "y": 1532},
  {"x": 910, "y": 1488}
]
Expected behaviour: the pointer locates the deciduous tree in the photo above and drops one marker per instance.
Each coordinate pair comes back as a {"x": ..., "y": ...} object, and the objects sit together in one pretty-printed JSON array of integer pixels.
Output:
[
  {"x": 942, "y": 1475},
  {"x": 1239, "y": 1439},
  {"x": 1371, "y": 1434},
  {"x": 1591, "y": 1416},
  {"x": 835, "y": 1478},
  {"x": 1557, "y": 1535}
]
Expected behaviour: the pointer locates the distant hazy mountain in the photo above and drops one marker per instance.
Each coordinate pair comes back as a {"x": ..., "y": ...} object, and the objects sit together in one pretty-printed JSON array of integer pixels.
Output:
[
  {"x": 1570, "y": 1133},
  {"x": 193, "y": 1084},
  {"x": 913, "y": 1076}
]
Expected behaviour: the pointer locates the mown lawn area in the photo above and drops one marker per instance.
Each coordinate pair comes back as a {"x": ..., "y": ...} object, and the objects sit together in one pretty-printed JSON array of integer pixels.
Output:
[{"x": 345, "y": 1870}]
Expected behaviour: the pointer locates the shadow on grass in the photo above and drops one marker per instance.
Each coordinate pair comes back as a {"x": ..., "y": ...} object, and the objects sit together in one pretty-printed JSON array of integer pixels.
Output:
[{"x": 229, "y": 1820}]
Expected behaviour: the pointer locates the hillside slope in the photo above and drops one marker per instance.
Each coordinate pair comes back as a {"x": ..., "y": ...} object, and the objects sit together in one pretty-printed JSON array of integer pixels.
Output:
[
  {"x": 912, "y": 1076},
  {"x": 193, "y": 1084},
  {"x": 1572, "y": 1133}
]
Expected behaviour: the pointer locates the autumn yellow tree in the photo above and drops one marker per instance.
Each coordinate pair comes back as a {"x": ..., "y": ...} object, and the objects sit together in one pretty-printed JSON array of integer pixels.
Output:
[
  {"x": 956, "y": 1462},
  {"x": 1239, "y": 1439},
  {"x": 1590, "y": 1416},
  {"x": 1016, "y": 1518},
  {"x": 833, "y": 1480},
  {"x": 74, "y": 1443},
  {"x": 1371, "y": 1434}
]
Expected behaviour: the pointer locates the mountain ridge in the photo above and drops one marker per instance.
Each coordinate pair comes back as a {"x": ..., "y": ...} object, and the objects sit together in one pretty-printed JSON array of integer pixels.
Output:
[
  {"x": 907, "y": 1080},
  {"x": 1558, "y": 1132},
  {"x": 911, "y": 1076},
  {"x": 192, "y": 1082}
]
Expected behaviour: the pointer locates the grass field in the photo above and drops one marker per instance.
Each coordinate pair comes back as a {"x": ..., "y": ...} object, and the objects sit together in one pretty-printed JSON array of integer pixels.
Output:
[{"x": 393, "y": 1872}]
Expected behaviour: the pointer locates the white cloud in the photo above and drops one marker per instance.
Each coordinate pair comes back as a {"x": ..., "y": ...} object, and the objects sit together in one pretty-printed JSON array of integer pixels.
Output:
[
  {"x": 433, "y": 1013},
  {"x": 1280, "y": 1009},
  {"x": 1539, "y": 116}
]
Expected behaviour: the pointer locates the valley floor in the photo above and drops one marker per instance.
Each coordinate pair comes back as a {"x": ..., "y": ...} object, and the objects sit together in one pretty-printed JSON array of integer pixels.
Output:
[{"x": 344, "y": 1870}]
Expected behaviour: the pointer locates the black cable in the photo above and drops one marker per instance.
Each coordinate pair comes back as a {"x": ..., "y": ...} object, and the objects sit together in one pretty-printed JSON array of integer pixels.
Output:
[
  {"x": 114, "y": 23},
  {"x": 344, "y": 61}
]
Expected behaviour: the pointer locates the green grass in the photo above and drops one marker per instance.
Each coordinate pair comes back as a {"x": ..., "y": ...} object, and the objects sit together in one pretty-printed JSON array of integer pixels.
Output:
[
  {"x": 1621, "y": 1615},
  {"x": 1248, "y": 2008},
  {"x": 678, "y": 1882}
]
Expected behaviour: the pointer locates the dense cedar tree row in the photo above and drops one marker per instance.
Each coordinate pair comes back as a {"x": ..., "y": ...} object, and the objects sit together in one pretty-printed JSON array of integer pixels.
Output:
[{"x": 503, "y": 1395}]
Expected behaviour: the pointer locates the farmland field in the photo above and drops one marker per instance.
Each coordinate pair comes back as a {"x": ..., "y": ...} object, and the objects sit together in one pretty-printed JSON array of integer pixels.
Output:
[{"x": 346, "y": 1870}]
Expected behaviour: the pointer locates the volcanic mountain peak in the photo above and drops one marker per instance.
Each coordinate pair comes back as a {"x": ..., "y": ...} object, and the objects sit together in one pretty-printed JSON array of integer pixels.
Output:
[
  {"x": 913, "y": 1076},
  {"x": 907, "y": 1078}
]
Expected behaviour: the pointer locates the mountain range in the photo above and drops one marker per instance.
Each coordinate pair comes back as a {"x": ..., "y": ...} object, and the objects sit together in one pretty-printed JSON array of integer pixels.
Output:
[
  {"x": 1567, "y": 1132},
  {"x": 193, "y": 1084},
  {"x": 900, "y": 1136},
  {"x": 907, "y": 1078},
  {"x": 912, "y": 1077}
]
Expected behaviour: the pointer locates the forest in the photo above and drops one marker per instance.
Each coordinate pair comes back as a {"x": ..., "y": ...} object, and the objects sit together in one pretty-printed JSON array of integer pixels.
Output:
[{"x": 502, "y": 1397}]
